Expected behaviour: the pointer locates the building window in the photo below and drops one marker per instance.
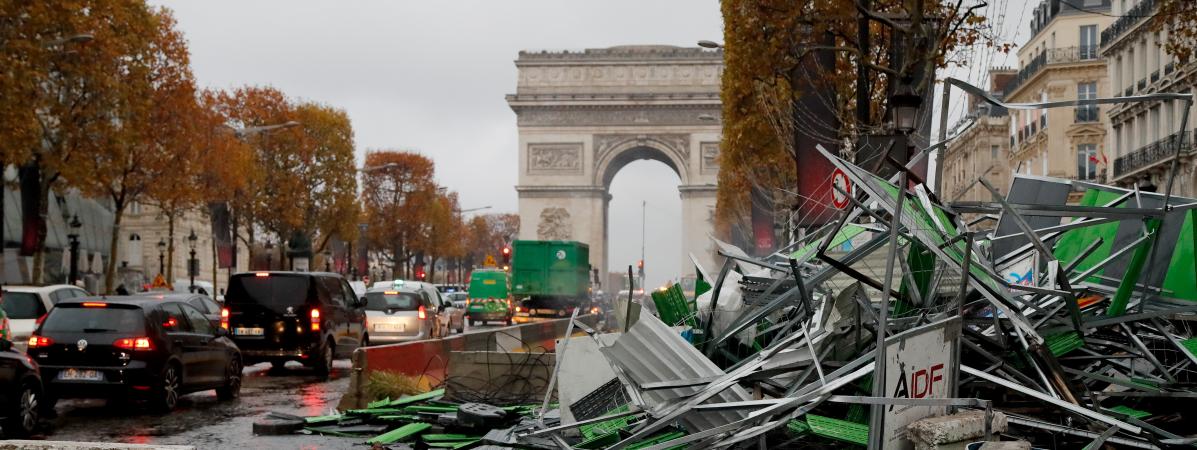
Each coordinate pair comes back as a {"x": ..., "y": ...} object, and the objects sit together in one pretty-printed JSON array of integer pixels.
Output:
[
  {"x": 993, "y": 152},
  {"x": 1088, "y": 49},
  {"x": 135, "y": 208},
  {"x": 1086, "y": 91},
  {"x": 1086, "y": 162}
]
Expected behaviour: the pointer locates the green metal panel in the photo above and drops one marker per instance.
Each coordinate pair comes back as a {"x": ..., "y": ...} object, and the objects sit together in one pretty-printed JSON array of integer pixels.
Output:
[
  {"x": 1183, "y": 270},
  {"x": 550, "y": 268},
  {"x": 1075, "y": 241}
]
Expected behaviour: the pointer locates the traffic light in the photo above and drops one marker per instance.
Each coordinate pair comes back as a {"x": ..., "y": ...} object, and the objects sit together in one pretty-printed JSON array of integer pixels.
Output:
[
  {"x": 640, "y": 267},
  {"x": 506, "y": 255},
  {"x": 420, "y": 272}
]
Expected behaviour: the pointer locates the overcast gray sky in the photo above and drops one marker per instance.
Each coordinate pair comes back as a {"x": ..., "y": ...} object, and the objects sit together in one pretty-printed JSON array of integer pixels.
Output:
[{"x": 431, "y": 76}]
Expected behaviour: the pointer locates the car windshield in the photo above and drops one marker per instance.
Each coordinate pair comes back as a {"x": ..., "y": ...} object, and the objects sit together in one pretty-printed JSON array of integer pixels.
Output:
[
  {"x": 94, "y": 320},
  {"x": 383, "y": 301},
  {"x": 22, "y": 305},
  {"x": 276, "y": 292}
]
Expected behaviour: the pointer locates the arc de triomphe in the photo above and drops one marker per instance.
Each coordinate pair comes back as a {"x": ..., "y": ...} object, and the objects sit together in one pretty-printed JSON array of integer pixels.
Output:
[{"x": 583, "y": 115}]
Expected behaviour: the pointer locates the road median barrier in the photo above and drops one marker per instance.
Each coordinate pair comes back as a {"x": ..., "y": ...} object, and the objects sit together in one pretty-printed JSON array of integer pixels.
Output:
[{"x": 428, "y": 360}]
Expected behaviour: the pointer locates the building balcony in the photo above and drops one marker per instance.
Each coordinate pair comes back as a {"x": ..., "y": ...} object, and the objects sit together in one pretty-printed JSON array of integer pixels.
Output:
[
  {"x": 1087, "y": 113},
  {"x": 1154, "y": 153},
  {"x": 1129, "y": 19},
  {"x": 1064, "y": 55}
]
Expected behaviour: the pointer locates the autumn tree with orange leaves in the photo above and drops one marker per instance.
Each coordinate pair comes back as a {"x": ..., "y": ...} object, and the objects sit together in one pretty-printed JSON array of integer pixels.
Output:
[
  {"x": 398, "y": 192},
  {"x": 71, "y": 67},
  {"x": 149, "y": 123}
]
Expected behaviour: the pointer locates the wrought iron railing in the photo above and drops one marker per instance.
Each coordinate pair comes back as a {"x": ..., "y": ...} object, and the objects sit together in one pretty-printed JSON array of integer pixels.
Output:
[
  {"x": 1154, "y": 152},
  {"x": 1128, "y": 20},
  {"x": 1062, "y": 55}
]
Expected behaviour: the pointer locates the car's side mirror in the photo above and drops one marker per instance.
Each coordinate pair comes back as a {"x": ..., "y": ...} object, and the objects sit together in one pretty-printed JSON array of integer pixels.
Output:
[
  {"x": 5, "y": 345},
  {"x": 221, "y": 332}
]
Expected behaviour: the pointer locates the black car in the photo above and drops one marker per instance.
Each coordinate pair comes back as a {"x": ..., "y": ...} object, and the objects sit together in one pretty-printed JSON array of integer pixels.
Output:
[
  {"x": 208, "y": 307},
  {"x": 133, "y": 347},
  {"x": 20, "y": 392},
  {"x": 311, "y": 317}
]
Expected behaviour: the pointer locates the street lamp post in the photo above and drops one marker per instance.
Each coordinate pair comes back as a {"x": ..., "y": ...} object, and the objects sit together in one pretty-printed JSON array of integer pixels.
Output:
[
  {"x": 192, "y": 266},
  {"x": 161, "y": 257},
  {"x": 328, "y": 260},
  {"x": 361, "y": 227},
  {"x": 75, "y": 225},
  {"x": 269, "y": 254}
]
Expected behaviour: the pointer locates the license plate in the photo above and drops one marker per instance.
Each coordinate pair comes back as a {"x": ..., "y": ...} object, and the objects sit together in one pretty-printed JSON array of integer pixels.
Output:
[
  {"x": 247, "y": 331},
  {"x": 81, "y": 375},
  {"x": 390, "y": 327}
]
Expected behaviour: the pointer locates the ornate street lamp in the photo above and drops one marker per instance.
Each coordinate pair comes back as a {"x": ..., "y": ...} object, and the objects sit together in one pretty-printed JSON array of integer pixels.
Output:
[
  {"x": 192, "y": 263},
  {"x": 75, "y": 225},
  {"x": 161, "y": 257},
  {"x": 905, "y": 107}
]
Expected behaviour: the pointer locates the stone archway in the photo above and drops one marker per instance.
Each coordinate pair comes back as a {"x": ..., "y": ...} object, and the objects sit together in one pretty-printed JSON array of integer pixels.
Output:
[{"x": 584, "y": 115}]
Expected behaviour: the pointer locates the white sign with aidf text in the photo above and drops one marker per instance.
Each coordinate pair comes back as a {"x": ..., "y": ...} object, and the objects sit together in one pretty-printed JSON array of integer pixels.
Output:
[{"x": 918, "y": 364}]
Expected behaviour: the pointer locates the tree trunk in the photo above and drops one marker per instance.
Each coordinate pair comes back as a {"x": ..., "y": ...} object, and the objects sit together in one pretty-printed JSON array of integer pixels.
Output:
[
  {"x": 170, "y": 249},
  {"x": 113, "y": 248}
]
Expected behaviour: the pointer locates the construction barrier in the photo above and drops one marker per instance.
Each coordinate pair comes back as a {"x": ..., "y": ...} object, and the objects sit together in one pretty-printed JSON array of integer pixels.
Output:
[{"x": 430, "y": 358}]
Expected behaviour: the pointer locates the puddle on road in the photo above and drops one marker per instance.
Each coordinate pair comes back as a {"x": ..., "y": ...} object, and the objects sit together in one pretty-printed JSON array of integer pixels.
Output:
[{"x": 201, "y": 419}]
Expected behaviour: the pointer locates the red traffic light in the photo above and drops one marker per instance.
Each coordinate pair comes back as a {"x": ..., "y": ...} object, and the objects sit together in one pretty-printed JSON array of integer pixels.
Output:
[
  {"x": 506, "y": 250},
  {"x": 640, "y": 264}
]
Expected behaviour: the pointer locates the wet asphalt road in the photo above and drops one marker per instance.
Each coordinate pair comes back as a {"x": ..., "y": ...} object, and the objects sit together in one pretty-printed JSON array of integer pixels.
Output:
[{"x": 203, "y": 421}]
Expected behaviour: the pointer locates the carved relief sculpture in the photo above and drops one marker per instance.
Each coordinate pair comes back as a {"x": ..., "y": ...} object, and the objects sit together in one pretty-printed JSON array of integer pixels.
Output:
[
  {"x": 555, "y": 158},
  {"x": 555, "y": 225},
  {"x": 709, "y": 151}
]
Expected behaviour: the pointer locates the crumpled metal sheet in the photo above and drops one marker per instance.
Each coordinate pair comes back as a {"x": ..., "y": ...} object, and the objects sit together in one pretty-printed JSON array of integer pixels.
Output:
[{"x": 652, "y": 352}]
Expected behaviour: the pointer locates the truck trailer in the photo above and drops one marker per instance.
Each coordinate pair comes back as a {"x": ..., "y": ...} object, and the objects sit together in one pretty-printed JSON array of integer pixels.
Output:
[{"x": 550, "y": 278}]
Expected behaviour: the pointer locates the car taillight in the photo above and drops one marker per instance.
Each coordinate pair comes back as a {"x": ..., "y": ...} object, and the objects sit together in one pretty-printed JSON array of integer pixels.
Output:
[
  {"x": 135, "y": 344},
  {"x": 39, "y": 341},
  {"x": 423, "y": 315},
  {"x": 508, "y": 304},
  {"x": 315, "y": 320},
  {"x": 224, "y": 318}
]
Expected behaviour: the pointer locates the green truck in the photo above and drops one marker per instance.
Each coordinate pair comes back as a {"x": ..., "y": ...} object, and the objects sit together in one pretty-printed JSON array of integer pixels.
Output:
[
  {"x": 489, "y": 300},
  {"x": 550, "y": 278}
]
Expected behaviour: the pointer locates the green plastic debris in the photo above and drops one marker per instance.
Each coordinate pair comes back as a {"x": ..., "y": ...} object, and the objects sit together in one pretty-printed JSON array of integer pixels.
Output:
[
  {"x": 1190, "y": 344},
  {"x": 840, "y": 430},
  {"x": 447, "y": 437},
  {"x": 673, "y": 307},
  {"x": 657, "y": 439},
  {"x": 429, "y": 409},
  {"x": 591, "y": 431},
  {"x": 1063, "y": 343},
  {"x": 797, "y": 427},
  {"x": 453, "y": 444},
  {"x": 1128, "y": 411},
  {"x": 374, "y": 412},
  {"x": 411, "y": 399},
  {"x": 400, "y": 434},
  {"x": 329, "y": 431},
  {"x": 601, "y": 441},
  {"x": 322, "y": 420}
]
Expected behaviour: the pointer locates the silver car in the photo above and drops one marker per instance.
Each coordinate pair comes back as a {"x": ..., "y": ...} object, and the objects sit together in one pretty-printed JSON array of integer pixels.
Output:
[{"x": 400, "y": 314}]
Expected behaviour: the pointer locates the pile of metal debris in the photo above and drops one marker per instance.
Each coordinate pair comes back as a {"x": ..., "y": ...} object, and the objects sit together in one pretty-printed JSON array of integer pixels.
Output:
[{"x": 1055, "y": 315}]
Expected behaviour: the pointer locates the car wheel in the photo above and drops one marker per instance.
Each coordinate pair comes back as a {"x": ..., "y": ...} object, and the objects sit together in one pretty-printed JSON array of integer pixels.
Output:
[
  {"x": 232, "y": 381},
  {"x": 27, "y": 412},
  {"x": 473, "y": 323},
  {"x": 323, "y": 364},
  {"x": 278, "y": 365},
  {"x": 166, "y": 393}
]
